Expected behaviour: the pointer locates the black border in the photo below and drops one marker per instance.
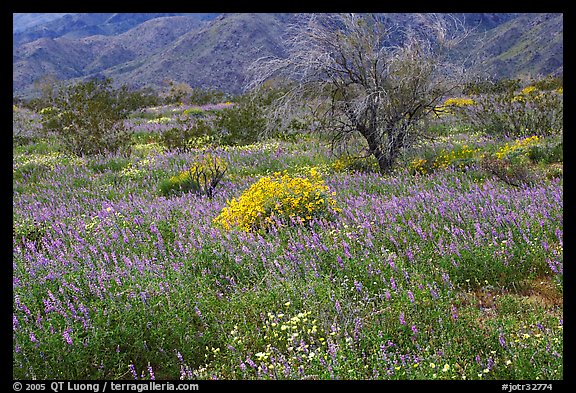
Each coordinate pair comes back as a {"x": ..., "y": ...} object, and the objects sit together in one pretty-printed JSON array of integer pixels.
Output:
[{"x": 356, "y": 6}]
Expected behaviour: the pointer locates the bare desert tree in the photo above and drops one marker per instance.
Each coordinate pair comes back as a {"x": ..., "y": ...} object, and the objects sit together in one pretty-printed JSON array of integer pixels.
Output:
[{"x": 360, "y": 74}]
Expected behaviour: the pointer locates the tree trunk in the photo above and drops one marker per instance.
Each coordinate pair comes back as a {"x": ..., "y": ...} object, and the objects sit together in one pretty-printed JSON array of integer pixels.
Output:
[{"x": 384, "y": 162}]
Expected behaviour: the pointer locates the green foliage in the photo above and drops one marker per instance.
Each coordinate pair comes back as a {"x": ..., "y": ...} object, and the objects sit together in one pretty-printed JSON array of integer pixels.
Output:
[
  {"x": 201, "y": 178},
  {"x": 245, "y": 122},
  {"x": 206, "y": 96},
  {"x": 548, "y": 83},
  {"x": 88, "y": 117},
  {"x": 548, "y": 152},
  {"x": 194, "y": 112},
  {"x": 491, "y": 86},
  {"x": 114, "y": 164},
  {"x": 185, "y": 136}
]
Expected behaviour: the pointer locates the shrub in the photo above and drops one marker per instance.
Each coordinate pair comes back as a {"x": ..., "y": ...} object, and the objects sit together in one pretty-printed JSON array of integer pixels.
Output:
[
  {"x": 547, "y": 153},
  {"x": 194, "y": 112},
  {"x": 186, "y": 135},
  {"x": 279, "y": 199},
  {"x": 245, "y": 122},
  {"x": 201, "y": 178},
  {"x": 508, "y": 112},
  {"x": 515, "y": 171},
  {"x": 88, "y": 118}
]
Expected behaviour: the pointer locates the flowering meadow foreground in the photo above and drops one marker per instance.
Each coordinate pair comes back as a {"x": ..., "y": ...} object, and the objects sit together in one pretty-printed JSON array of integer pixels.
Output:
[{"x": 444, "y": 274}]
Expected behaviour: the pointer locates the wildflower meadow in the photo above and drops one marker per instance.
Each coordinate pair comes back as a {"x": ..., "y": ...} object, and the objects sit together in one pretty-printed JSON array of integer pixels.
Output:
[{"x": 278, "y": 259}]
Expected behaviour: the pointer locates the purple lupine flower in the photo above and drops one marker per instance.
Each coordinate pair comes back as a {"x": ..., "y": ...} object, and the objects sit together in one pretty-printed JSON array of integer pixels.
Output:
[
  {"x": 454, "y": 312},
  {"x": 357, "y": 328},
  {"x": 251, "y": 363},
  {"x": 502, "y": 340},
  {"x": 133, "y": 371},
  {"x": 66, "y": 335},
  {"x": 338, "y": 308},
  {"x": 411, "y": 296},
  {"x": 490, "y": 364},
  {"x": 346, "y": 248},
  {"x": 151, "y": 372},
  {"x": 406, "y": 276},
  {"x": 433, "y": 292},
  {"x": 409, "y": 255},
  {"x": 402, "y": 321},
  {"x": 20, "y": 305},
  {"x": 340, "y": 262}
]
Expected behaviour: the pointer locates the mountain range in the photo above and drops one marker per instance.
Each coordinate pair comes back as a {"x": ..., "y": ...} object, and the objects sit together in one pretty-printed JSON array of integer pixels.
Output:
[{"x": 212, "y": 51}]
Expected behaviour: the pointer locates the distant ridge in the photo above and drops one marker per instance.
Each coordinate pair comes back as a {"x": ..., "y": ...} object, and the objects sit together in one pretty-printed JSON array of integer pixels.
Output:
[{"x": 213, "y": 50}]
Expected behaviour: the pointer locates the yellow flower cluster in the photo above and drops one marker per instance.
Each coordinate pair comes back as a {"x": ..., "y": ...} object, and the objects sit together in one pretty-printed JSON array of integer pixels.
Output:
[
  {"x": 418, "y": 165},
  {"x": 209, "y": 166},
  {"x": 138, "y": 169},
  {"x": 341, "y": 163},
  {"x": 148, "y": 149},
  {"x": 529, "y": 93},
  {"x": 460, "y": 101},
  {"x": 47, "y": 111},
  {"x": 527, "y": 90},
  {"x": 452, "y": 103},
  {"x": 347, "y": 163},
  {"x": 520, "y": 146},
  {"x": 458, "y": 157},
  {"x": 278, "y": 197},
  {"x": 200, "y": 178}
]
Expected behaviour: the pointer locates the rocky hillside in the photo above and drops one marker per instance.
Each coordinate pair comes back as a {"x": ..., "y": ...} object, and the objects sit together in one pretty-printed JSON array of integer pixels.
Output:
[{"x": 213, "y": 51}]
